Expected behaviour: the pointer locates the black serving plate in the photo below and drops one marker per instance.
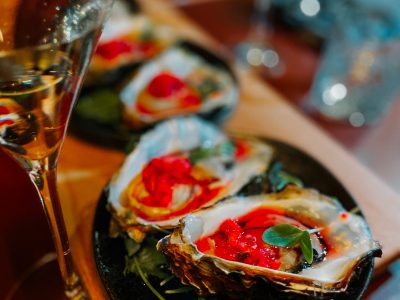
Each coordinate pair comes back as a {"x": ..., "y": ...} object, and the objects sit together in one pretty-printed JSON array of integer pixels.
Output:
[
  {"x": 117, "y": 135},
  {"x": 110, "y": 252}
]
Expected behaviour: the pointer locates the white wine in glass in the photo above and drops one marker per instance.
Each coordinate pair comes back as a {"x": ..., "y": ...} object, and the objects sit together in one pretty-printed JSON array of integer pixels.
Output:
[{"x": 45, "y": 49}]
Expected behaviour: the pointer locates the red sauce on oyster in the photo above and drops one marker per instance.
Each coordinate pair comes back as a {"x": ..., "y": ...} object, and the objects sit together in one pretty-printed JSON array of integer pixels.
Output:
[
  {"x": 114, "y": 48},
  {"x": 165, "y": 85},
  {"x": 242, "y": 149},
  {"x": 162, "y": 174},
  {"x": 241, "y": 239},
  {"x": 161, "y": 179},
  {"x": 167, "y": 94}
]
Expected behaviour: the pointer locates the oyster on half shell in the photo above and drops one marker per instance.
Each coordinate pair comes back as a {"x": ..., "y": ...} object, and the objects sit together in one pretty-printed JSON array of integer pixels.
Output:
[
  {"x": 180, "y": 81},
  {"x": 178, "y": 167},
  {"x": 344, "y": 238}
]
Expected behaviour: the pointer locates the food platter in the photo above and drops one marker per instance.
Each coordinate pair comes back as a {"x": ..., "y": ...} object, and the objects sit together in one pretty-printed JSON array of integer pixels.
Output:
[
  {"x": 110, "y": 252},
  {"x": 130, "y": 221}
]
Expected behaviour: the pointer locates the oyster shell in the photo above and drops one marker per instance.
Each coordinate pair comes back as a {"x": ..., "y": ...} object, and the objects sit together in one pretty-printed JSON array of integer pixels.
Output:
[
  {"x": 346, "y": 235},
  {"x": 182, "y": 80},
  {"x": 178, "y": 167}
]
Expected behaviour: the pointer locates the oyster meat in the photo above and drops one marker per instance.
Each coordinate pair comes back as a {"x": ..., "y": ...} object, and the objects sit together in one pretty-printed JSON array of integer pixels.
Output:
[
  {"x": 178, "y": 167},
  {"x": 219, "y": 249}
]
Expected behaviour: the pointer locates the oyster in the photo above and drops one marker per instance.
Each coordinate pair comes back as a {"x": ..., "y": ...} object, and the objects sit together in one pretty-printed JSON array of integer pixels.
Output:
[
  {"x": 178, "y": 167},
  {"x": 182, "y": 80},
  {"x": 128, "y": 39},
  {"x": 342, "y": 244}
]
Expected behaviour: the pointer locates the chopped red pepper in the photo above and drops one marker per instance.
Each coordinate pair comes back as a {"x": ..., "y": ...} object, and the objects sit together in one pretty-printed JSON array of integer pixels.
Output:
[
  {"x": 159, "y": 180},
  {"x": 204, "y": 244},
  {"x": 241, "y": 240},
  {"x": 163, "y": 173}
]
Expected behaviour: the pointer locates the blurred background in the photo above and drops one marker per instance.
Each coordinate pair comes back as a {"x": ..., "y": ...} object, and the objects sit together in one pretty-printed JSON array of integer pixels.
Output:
[{"x": 336, "y": 61}]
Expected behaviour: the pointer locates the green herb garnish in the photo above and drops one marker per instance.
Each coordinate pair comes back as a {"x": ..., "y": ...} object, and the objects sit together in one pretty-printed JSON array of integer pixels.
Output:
[
  {"x": 208, "y": 86},
  {"x": 180, "y": 290},
  {"x": 103, "y": 106},
  {"x": 286, "y": 235},
  {"x": 147, "y": 256},
  {"x": 226, "y": 149},
  {"x": 145, "y": 280},
  {"x": 279, "y": 179}
]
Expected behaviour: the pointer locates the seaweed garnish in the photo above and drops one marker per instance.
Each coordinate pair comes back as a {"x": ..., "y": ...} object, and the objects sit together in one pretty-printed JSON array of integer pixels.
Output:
[
  {"x": 275, "y": 179},
  {"x": 103, "y": 106},
  {"x": 145, "y": 261}
]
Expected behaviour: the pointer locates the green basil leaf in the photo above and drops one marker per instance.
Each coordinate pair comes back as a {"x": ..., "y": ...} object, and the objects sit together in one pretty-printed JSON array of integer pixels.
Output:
[
  {"x": 282, "y": 235},
  {"x": 199, "y": 154},
  {"x": 306, "y": 246},
  {"x": 286, "y": 235}
]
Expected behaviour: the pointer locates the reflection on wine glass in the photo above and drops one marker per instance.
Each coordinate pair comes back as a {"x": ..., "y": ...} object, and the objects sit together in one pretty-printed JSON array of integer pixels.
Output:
[
  {"x": 45, "y": 48},
  {"x": 255, "y": 50}
]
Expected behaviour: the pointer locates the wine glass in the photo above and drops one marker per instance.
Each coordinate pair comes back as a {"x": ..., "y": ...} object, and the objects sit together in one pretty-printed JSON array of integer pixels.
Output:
[
  {"x": 255, "y": 50},
  {"x": 45, "y": 48}
]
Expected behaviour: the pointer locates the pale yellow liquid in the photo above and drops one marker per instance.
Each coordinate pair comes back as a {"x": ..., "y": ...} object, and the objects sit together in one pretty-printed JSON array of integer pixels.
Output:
[{"x": 39, "y": 93}]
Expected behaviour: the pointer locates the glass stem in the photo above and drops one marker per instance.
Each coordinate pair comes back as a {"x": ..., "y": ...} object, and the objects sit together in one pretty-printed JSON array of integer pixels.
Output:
[{"x": 43, "y": 175}]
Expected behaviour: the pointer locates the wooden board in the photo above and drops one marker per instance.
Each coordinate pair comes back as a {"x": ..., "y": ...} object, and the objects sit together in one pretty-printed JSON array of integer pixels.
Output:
[{"x": 85, "y": 169}]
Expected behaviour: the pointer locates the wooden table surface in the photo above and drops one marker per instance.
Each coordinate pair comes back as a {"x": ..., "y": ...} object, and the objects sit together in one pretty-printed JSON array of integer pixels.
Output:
[{"x": 85, "y": 169}]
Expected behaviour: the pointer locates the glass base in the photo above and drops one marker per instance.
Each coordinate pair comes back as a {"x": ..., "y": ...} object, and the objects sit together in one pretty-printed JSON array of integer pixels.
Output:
[{"x": 41, "y": 281}]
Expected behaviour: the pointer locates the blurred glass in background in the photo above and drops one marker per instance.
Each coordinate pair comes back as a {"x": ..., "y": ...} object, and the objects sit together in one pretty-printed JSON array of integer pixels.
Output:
[
  {"x": 256, "y": 50},
  {"x": 337, "y": 58},
  {"x": 358, "y": 76}
]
